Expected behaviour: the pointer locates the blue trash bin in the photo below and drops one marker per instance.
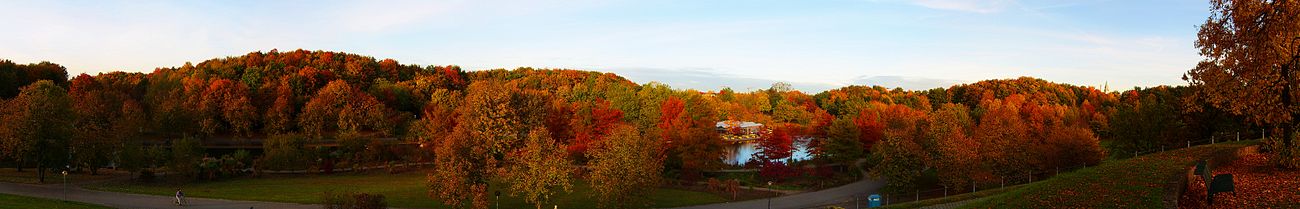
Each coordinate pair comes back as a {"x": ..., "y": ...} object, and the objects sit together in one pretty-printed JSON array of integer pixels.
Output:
[{"x": 873, "y": 201}]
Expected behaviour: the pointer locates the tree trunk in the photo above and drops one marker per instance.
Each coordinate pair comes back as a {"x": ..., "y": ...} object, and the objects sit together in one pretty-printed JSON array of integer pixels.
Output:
[
  {"x": 1288, "y": 128},
  {"x": 40, "y": 168},
  {"x": 19, "y": 163}
]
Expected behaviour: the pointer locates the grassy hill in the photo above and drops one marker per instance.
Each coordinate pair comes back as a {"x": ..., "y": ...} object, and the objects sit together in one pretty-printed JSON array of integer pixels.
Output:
[{"x": 1141, "y": 182}]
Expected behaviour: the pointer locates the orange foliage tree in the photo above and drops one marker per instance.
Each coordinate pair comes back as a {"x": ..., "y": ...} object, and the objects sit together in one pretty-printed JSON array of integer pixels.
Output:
[{"x": 1251, "y": 51}]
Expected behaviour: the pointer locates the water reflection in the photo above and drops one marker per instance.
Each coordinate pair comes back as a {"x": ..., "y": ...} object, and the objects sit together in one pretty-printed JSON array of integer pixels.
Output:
[{"x": 740, "y": 153}]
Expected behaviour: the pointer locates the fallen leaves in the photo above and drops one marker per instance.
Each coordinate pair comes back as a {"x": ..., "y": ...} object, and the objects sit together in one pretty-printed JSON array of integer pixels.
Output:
[{"x": 1258, "y": 184}]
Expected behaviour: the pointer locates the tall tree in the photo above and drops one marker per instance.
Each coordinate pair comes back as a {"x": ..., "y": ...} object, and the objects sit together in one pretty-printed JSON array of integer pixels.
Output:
[
  {"x": 1003, "y": 138},
  {"x": 98, "y": 110},
  {"x": 439, "y": 117},
  {"x": 540, "y": 169},
  {"x": 774, "y": 147},
  {"x": 900, "y": 154},
  {"x": 225, "y": 105},
  {"x": 14, "y": 76},
  {"x": 956, "y": 155},
  {"x": 1149, "y": 119},
  {"x": 279, "y": 117},
  {"x": 842, "y": 144},
  {"x": 591, "y": 122},
  {"x": 1251, "y": 51},
  {"x": 624, "y": 169},
  {"x": 468, "y": 159},
  {"x": 340, "y": 107},
  {"x": 691, "y": 135},
  {"x": 39, "y": 126}
]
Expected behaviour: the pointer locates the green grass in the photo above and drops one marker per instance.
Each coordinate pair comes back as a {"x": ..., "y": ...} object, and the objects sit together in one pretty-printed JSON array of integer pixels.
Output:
[
  {"x": 400, "y": 190},
  {"x": 1131, "y": 183},
  {"x": 15, "y": 201},
  {"x": 954, "y": 198},
  {"x": 28, "y": 176},
  {"x": 802, "y": 182}
]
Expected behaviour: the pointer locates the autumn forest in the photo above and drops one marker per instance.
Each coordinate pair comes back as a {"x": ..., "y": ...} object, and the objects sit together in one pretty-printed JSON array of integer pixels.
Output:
[
  {"x": 320, "y": 128},
  {"x": 529, "y": 127}
]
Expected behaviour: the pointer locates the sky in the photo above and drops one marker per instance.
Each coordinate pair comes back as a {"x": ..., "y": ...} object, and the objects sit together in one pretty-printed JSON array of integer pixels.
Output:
[{"x": 704, "y": 45}]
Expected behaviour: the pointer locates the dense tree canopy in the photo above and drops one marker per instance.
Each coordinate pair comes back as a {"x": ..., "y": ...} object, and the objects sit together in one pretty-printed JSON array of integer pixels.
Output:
[
  {"x": 516, "y": 127},
  {"x": 1251, "y": 51},
  {"x": 38, "y": 126}
]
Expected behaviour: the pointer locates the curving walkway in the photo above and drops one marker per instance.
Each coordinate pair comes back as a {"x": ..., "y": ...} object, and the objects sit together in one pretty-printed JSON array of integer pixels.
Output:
[
  {"x": 842, "y": 195},
  {"x": 124, "y": 200}
]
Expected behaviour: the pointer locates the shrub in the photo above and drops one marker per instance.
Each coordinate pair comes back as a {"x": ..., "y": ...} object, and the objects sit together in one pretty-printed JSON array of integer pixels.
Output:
[
  {"x": 353, "y": 200},
  {"x": 777, "y": 171},
  {"x": 352, "y": 147},
  {"x": 147, "y": 175},
  {"x": 187, "y": 153},
  {"x": 1283, "y": 157},
  {"x": 285, "y": 151},
  {"x": 242, "y": 157}
]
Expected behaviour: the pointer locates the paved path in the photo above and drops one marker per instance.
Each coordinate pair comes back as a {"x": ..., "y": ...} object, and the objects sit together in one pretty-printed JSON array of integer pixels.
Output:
[
  {"x": 833, "y": 196},
  {"x": 124, "y": 200}
]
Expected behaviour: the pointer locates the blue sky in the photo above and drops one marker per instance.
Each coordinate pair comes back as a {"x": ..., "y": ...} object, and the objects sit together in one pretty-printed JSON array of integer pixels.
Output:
[{"x": 815, "y": 45}]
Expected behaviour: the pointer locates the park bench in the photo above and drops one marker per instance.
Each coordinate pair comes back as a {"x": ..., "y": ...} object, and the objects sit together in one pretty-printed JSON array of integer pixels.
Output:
[
  {"x": 1221, "y": 183},
  {"x": 1201, "y": 167},
  {"x": 1218, "y": 184}
]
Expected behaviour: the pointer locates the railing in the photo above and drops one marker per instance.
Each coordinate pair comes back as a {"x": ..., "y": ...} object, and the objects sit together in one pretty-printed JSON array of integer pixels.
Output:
[
  {"x": 1214, "y": 139},
  {"x": 860, "y": 200},
  {"x": 346, "y": 169}
]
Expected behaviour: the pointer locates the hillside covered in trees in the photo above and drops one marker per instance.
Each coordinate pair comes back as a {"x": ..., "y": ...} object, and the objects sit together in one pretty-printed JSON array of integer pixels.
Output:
[{"x": 518, "y": 126}]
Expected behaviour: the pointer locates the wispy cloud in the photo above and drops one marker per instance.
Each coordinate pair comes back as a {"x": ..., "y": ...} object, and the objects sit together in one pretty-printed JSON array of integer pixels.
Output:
[
  {"x": 743, "y": 44},
  {"x": 975, "y": 6},
  {"x": 370, "y": 16}
]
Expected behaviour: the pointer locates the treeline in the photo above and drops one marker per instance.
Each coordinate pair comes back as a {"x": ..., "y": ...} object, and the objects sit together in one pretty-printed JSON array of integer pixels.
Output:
[{"x": 531, "y": 128}]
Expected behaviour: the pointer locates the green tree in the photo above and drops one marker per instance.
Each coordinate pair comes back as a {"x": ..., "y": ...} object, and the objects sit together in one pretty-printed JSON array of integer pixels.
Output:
[
  {"x": 468, "y": 159},
  {"x": 187, "y": 153},
  {"x": 842, "y": 144},
  {"x": 900, "y": 161},
  {"x": 133, "y": 157},
  {"x": 624, "y": 169},
  {"x": 901, "y": 156},
  {"x": 539, "y": 169},
  {"x": 284, "y": 151},
  {"x": 1150, "y": 120},
  {"x": 38, "y": 126}
]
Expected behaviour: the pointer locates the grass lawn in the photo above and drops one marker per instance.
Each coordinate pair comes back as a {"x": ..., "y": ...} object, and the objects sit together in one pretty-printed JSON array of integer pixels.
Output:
[
  {"x": 954, "y": 198},
  {"x": 28, "y": 176},
  {"x": 1132, "y": 183},
  {"x": 15, "y": 201},
  {"x": 801, "y": 182},
  {"x": 400, "y": 190}
]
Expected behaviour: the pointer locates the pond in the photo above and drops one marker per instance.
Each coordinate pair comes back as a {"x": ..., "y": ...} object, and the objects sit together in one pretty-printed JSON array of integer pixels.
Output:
[{"x": 739, "y": 153}]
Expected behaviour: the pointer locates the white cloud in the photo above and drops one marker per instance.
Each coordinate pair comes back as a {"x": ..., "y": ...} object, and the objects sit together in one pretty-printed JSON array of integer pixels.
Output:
[
  {"x": 975, "y": 6},
  {"x": 367, "y": 16}
]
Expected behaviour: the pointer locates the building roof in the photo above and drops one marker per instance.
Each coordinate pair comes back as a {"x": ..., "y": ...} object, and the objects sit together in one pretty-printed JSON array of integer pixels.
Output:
[{"x": 743, "y": 124}]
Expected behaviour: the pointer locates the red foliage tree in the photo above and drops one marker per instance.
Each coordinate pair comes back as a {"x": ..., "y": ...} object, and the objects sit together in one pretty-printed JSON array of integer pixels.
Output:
[
  {"x": 870, "y": 128},
  {"x": 591, "y": 122},
  {"x": 774, "y": 147}
]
